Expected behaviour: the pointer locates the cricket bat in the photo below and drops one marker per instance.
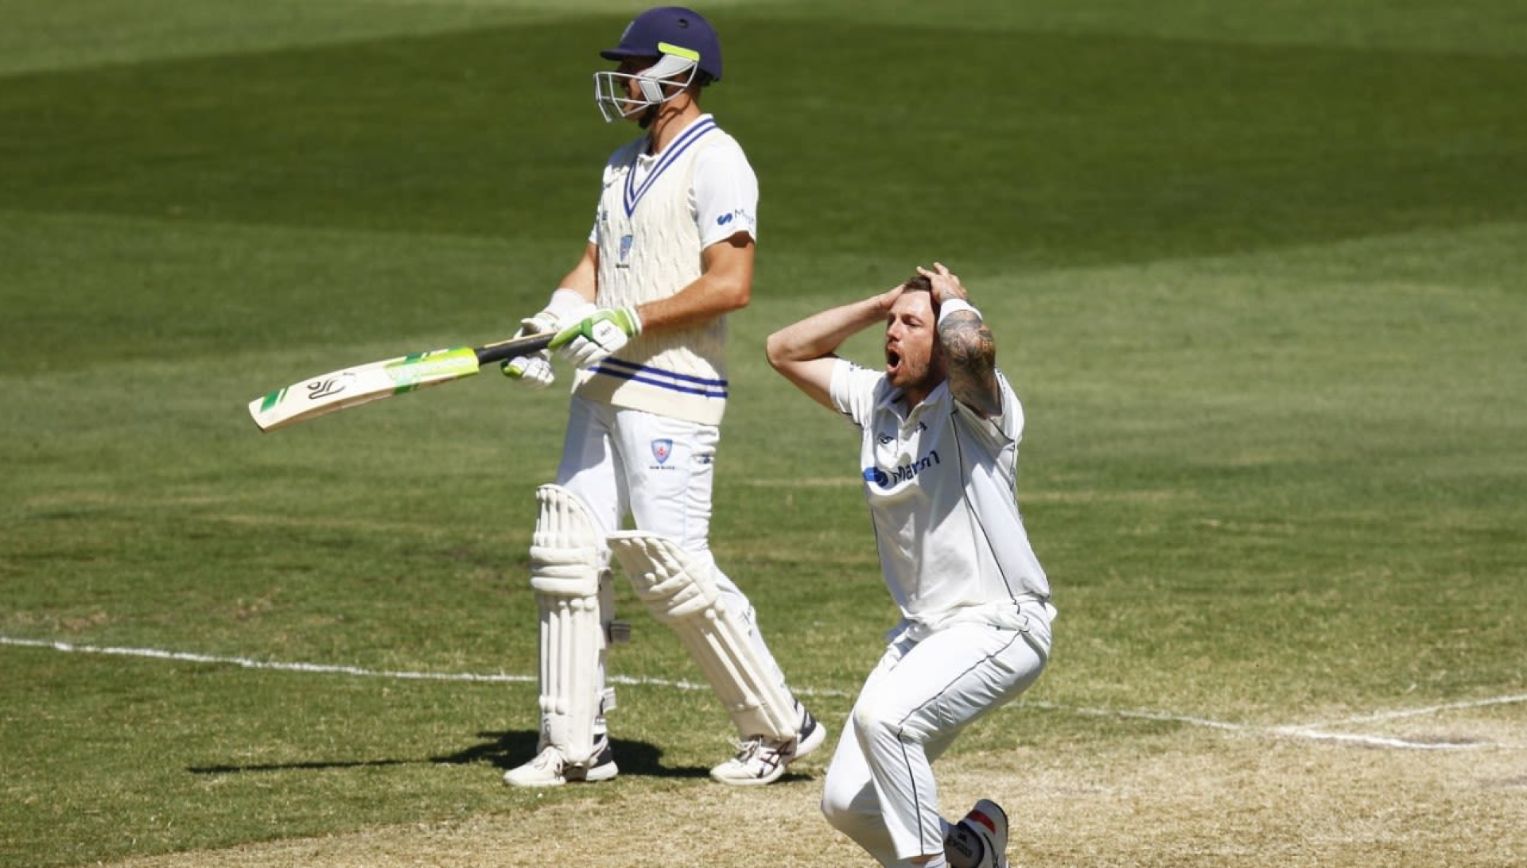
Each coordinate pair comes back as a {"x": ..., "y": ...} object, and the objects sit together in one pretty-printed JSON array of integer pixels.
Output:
[{"x": 372, "y": 382}]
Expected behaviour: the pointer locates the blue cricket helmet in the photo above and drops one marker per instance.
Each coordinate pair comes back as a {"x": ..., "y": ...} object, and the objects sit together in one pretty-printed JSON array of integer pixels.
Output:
[{"x": 662, "y": 29}]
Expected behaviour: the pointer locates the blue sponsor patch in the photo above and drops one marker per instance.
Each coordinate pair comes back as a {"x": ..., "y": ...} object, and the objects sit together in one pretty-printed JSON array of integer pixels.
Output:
[
  {"x": 901, "y": 474},
  {"x": 625, "y": 246},
  {"x": 723, "y": 219}
]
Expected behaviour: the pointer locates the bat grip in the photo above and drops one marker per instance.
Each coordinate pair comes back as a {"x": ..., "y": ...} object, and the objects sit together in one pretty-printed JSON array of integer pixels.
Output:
[{"x": 512, "y": 348}]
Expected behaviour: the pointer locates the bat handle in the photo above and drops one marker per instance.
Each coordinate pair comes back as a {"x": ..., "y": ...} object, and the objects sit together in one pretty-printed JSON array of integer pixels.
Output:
[{"x": 512, "y": 348}]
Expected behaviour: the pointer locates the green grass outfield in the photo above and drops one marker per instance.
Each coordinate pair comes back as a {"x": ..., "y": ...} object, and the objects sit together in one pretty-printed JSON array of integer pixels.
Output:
[{"x": 1258, "y": 270}]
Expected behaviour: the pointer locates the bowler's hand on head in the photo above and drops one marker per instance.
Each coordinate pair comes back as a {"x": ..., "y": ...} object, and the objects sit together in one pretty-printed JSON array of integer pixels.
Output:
[
  {"x": 946, "y": 284},
  {"x": 888, "y": 298}
]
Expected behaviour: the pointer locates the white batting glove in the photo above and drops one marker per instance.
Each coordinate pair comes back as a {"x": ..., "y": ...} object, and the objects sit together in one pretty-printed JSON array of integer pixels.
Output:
[
  {"x": 565, "y": 306},
  {"x": 597, "y": 336},
  {"x": 533, "y": 370}
]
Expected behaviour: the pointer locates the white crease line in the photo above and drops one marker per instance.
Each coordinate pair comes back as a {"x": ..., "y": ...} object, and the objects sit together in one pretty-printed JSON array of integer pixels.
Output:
[
  {"x": 247, "y": 663},
  {"x": 1305, "y": 732},
  {"x": 333, "y": 669},
  {"x": 1376, "y": 740},
  {"x": 1431, "y": 709},
  {"x": 1132, "y": 714}
]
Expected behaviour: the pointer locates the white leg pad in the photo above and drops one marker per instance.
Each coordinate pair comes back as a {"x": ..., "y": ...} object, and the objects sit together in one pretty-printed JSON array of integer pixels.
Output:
[
  {"x": 565, "y": 563},
  {"x": 682, "y": 594}
]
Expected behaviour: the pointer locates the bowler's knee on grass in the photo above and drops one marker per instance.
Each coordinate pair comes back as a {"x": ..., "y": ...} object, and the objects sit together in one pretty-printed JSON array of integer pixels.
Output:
[
  {"x": 852, "y": 799},
  {"x": 850, "y": 805}
]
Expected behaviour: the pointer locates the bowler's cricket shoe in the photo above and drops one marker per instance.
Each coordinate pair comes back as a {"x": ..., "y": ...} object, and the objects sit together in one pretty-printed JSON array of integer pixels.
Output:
[
  {"x": 762, "y": 760},
  {"x": 979, "y": 840},
  {"x": 549, "y": 769}
]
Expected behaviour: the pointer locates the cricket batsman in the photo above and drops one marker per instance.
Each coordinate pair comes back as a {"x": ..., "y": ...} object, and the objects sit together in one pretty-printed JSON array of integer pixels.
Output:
[
  {"x": 939, "y": 429},
  {"x": 642, "y": 317}
]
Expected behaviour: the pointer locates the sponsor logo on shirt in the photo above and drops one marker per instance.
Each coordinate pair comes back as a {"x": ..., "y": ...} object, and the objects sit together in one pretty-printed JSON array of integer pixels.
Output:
[
  {"x": 625, "y": 250},
  {"x": 740, "y": 214},
  {"x": 897, "y": 475}
]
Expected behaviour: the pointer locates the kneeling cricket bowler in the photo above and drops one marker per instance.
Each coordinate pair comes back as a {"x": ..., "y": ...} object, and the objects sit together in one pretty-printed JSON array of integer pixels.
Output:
[{"x": 939, "y": 451}]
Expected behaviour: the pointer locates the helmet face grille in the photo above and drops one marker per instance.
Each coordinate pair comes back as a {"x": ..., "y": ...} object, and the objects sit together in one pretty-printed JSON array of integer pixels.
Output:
[{"x": 657, "y": 84}]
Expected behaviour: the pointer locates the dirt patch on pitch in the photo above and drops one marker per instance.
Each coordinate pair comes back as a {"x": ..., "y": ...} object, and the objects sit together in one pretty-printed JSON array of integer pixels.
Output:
[
  {"x": 1253, "y": 801},
  {"x": 1186, "y": 799},
  {"x": 701, "y": 824}
]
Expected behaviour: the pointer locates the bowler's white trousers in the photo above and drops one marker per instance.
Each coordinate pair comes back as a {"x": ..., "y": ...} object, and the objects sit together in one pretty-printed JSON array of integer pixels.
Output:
[
  {"x": 880, "y": 789},
  {"x": 660, "y": 471}
]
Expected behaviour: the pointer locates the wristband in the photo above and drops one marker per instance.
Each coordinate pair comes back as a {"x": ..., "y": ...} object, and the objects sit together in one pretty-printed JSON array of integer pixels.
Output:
[
  {"x": 564, "y": 301},
  {"x": 955, "y": 304}
]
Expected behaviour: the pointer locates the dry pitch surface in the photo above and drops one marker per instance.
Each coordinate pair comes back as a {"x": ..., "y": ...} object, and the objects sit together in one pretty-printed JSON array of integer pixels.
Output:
[{"x": 1192, "y": 797}]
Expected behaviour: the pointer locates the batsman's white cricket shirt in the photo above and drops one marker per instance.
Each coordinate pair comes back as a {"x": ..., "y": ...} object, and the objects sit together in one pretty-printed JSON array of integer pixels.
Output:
[
  {"x": 941, "y": 482},
  {"x": 657, "y": 213}
]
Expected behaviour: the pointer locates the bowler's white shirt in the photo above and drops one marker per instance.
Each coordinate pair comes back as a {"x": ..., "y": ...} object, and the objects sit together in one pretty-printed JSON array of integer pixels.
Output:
[{"x": 941, "y": 483}]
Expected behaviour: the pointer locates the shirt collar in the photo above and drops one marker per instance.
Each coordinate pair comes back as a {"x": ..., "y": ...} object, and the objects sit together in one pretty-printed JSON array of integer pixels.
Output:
[
  {"x": 894, "y": 402},
  {"x": 647, "y": 158}
]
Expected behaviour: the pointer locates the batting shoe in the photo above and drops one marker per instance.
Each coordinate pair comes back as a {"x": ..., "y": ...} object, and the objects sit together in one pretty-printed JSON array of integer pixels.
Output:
[
  {"x": 762, "y": 760},
  {"x": 979, "y": 840},
  {"x": 549, "y": 769}
]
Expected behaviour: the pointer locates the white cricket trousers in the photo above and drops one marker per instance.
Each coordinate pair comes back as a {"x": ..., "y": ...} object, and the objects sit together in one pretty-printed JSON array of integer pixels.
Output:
[
  {"x": 880, "y": 789},
  {"x": 660, "y": 471}
]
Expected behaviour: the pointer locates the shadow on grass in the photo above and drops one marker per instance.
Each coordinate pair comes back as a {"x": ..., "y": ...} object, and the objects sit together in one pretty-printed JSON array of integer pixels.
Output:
[
  {"x": 502, "y": 749},
  {"x": 508, "y": 749}
]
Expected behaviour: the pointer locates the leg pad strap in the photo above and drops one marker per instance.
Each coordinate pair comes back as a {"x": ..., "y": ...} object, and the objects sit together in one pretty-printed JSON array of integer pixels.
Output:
[{"x": 681, "y": 593}]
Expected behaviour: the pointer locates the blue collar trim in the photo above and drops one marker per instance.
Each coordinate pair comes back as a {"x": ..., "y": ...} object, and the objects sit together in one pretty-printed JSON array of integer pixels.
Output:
[{"x": 670, "y": 155}]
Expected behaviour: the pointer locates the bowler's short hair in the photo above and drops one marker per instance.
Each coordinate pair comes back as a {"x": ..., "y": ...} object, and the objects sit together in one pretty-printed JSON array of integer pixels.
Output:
[{"x": 917, "y": 283}]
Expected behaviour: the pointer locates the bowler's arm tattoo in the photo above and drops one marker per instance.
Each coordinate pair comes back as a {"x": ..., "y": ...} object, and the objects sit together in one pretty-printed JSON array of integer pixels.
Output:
[{"x": 970, "y": 356}]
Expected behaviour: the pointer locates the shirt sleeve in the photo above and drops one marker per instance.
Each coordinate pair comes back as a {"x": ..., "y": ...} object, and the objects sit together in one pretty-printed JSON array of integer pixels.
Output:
[
  {"x": 1008, "y": 426},
  {"x": 725, "y": 193},
  {"x": 1011, "y": 420},
  {"x": 853, "y": 389}
]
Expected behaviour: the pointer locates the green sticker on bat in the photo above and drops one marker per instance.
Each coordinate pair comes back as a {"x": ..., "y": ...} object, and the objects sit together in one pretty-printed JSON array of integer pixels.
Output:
[
  {"x": 425, "y": 367},
  {"x": 272, "y": 399}
]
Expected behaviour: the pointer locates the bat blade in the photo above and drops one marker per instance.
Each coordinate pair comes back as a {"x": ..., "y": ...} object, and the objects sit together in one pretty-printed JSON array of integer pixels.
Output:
[{"x": 362, "y": 384}]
